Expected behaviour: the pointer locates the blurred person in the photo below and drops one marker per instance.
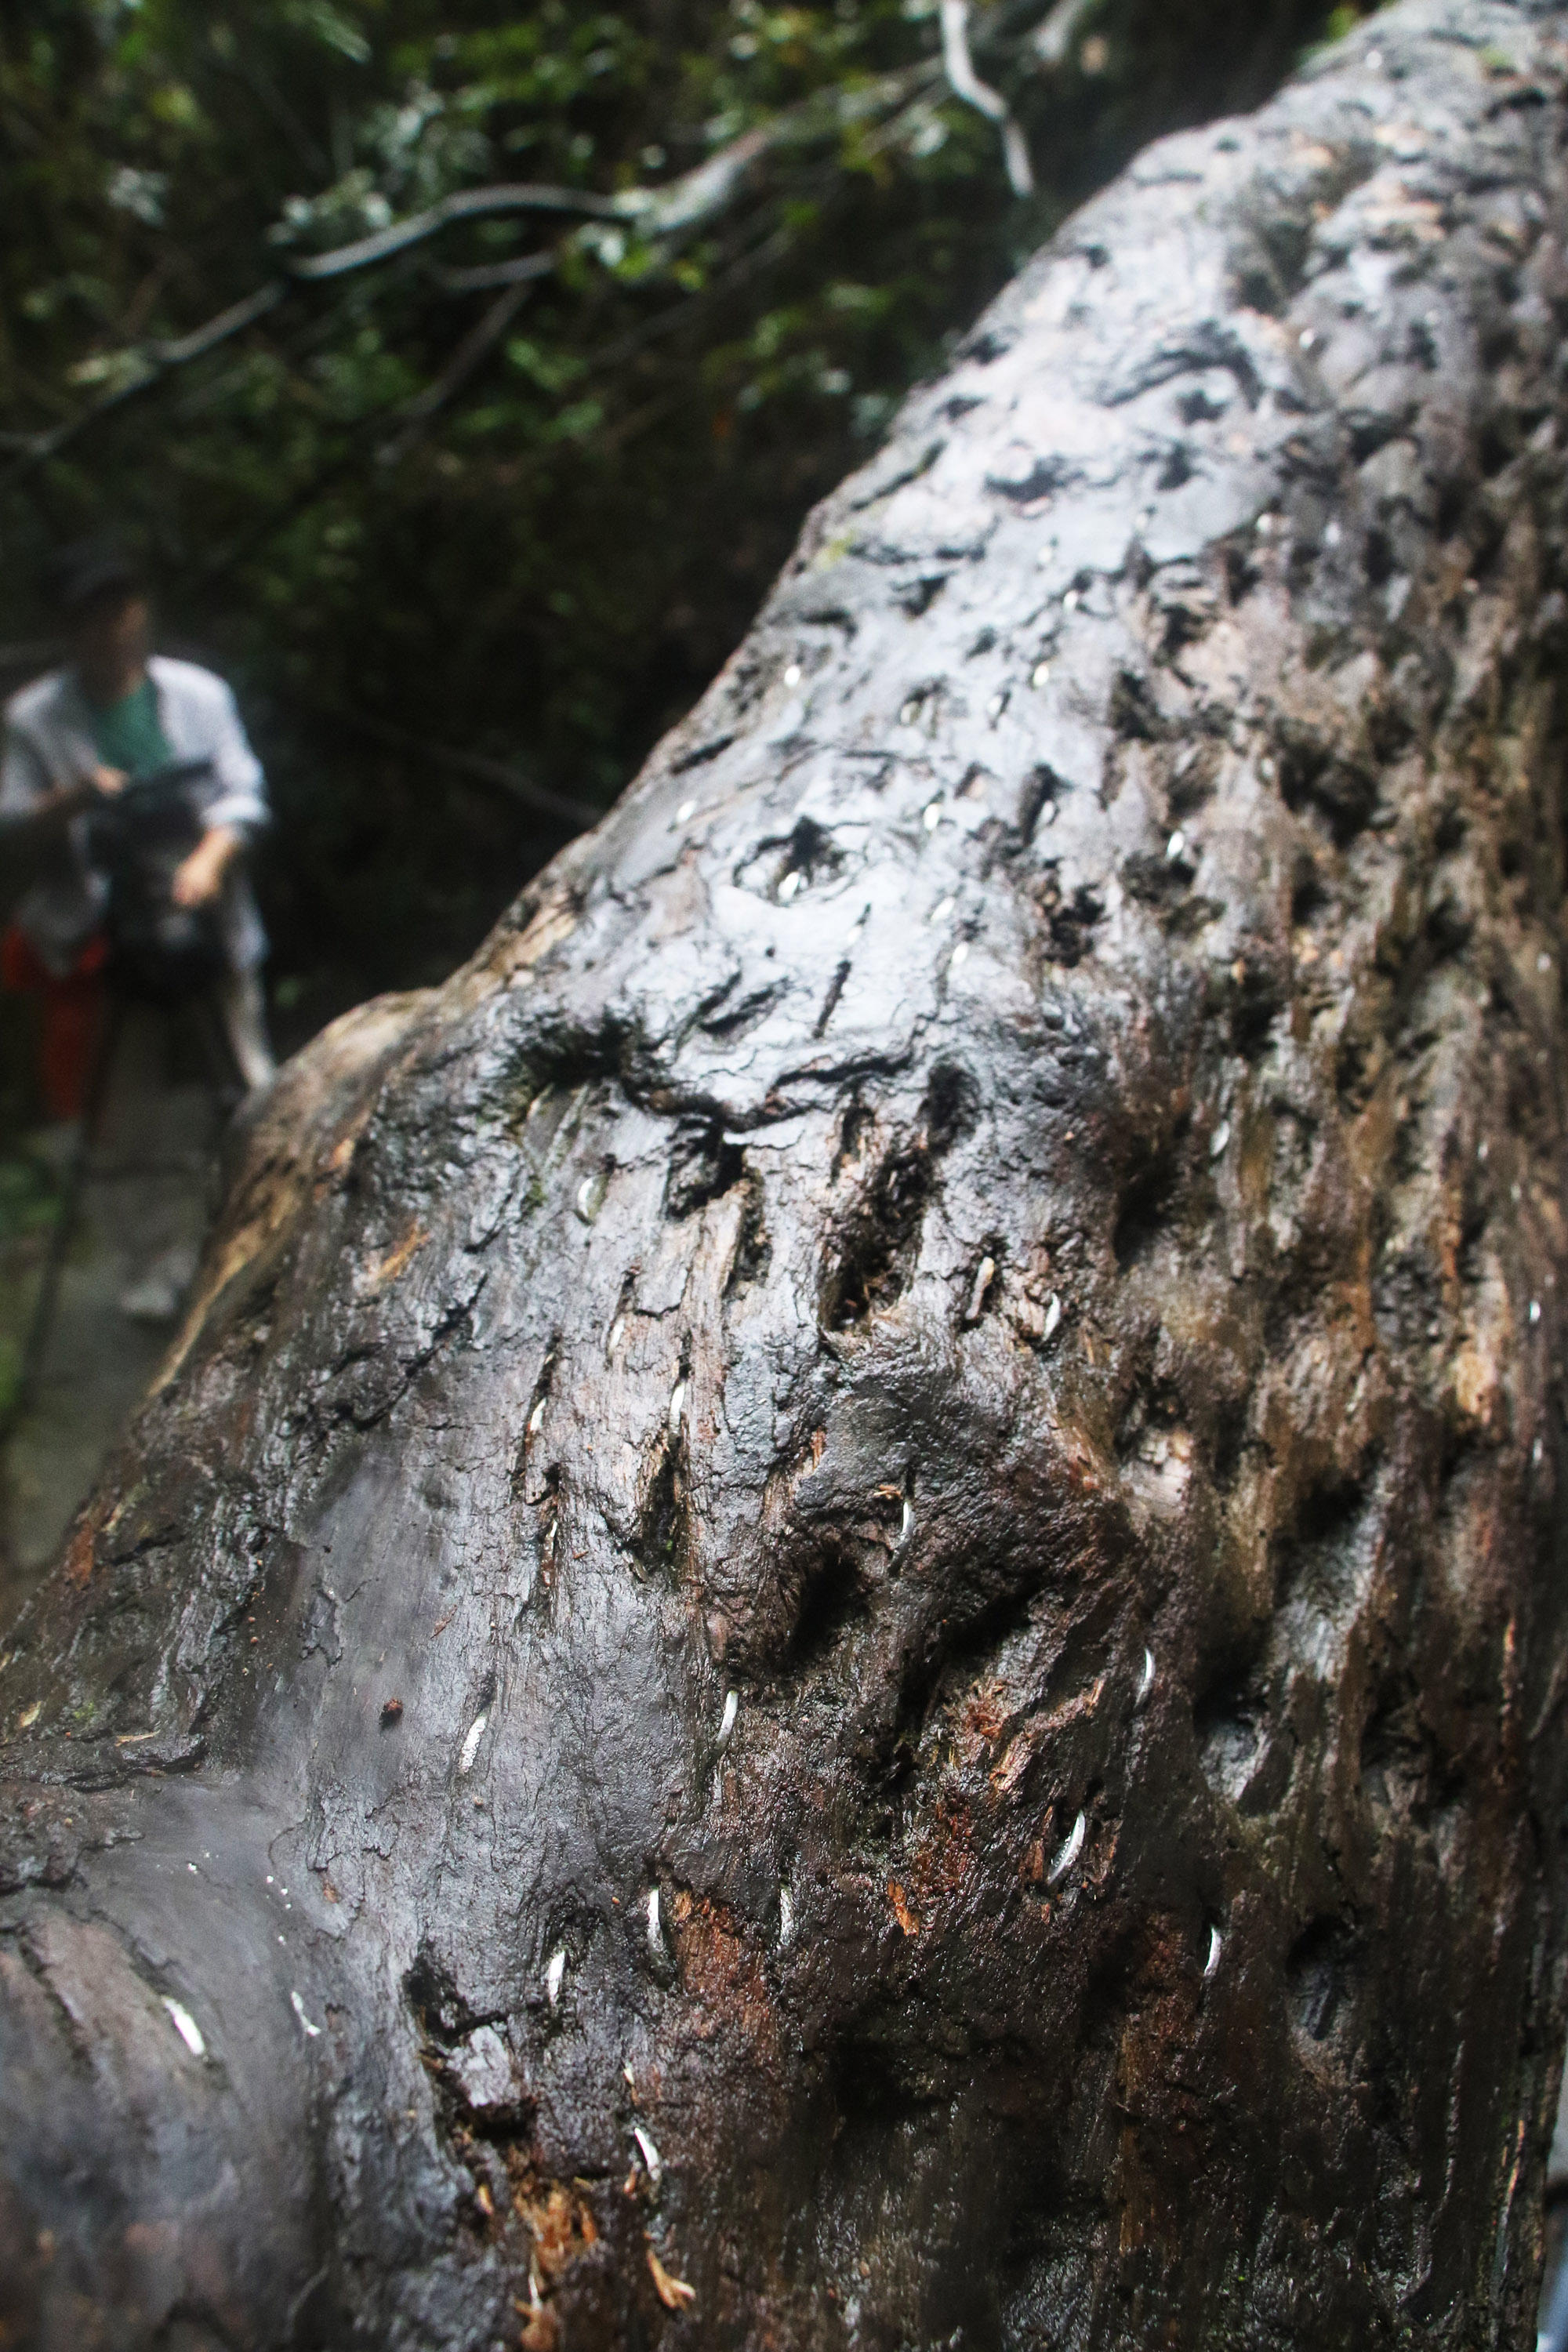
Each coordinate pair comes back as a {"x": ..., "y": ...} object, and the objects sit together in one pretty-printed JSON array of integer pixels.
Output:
[{"x": 79, "y": 743}]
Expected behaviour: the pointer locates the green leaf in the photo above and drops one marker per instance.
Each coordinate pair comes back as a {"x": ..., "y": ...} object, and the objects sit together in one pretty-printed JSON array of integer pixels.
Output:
[{"x": 329, "y": 26}]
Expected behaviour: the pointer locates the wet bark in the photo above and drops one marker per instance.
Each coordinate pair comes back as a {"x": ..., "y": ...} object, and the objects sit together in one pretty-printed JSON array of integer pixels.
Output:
[{"x": 843, "y": 1623}]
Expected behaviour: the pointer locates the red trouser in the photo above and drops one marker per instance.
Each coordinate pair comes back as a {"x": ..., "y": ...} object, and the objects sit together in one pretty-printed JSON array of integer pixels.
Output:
[{"x": 73, "y": 1015}]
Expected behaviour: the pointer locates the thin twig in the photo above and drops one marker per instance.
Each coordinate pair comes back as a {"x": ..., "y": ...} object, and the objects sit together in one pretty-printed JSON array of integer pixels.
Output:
[
  {"x": 465, "y": 362},
  {"x": 261, "y": 87},
  {"x": 697, "y": 195},
  {"x": 286, "y": 346},
  {"x": 575, "y": 814},
  {"x": 663, "y": 322},
  {"x": 233, "y": 321},
  {"x": 684, "y": 203},
  {"x": 486, "y": 276},
  {"x": 1054, "y": 36},
  {"x": 966, "y": 84},
  {"x": 157, "y": 360},
  {"x": 465, "y": 203}
]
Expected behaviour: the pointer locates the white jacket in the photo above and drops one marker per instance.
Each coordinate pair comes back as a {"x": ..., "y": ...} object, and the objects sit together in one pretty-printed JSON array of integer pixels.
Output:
[{"x": 49, "y": 744}]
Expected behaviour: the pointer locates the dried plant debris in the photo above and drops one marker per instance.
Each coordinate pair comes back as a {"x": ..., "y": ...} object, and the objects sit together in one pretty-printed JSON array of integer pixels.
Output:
[{"x": 673, "y": 2293}]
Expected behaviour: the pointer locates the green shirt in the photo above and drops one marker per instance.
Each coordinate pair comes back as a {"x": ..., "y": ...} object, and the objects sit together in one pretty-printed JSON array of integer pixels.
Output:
[{"x": 129, "y": 733}]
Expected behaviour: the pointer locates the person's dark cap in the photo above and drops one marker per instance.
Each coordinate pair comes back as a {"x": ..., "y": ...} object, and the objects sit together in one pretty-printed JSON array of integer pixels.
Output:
[{"x": 92, "y": 572}]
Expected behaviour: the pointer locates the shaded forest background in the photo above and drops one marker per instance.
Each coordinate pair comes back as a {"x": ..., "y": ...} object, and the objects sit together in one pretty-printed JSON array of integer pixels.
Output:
[{"x": 469, "y": 519}]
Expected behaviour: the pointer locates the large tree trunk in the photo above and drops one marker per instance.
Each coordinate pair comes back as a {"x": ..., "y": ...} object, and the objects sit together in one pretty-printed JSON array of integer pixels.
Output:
[{"x": 844, "y": 1622}]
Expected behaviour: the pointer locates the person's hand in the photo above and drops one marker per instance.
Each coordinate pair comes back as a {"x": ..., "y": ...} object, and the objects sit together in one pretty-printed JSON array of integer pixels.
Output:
[
  {"x": 100, "y": 784},
  {"x": 199, "y": 878}
]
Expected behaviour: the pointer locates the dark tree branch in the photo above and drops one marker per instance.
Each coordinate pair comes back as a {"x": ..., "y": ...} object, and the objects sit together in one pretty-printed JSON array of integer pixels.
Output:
[
  {"x": 571, "y": 815},
  {"x": 665, "y": 213},
  {"x": 463, "y": 365},
  {"x": 467, "y": 205},
  {"x": 156, "y": 360},
  {"x": 486, "y": 276}
]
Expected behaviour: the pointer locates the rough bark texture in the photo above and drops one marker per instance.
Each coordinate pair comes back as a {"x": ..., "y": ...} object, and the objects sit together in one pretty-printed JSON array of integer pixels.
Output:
[{"x": 1005, "y": 1211}]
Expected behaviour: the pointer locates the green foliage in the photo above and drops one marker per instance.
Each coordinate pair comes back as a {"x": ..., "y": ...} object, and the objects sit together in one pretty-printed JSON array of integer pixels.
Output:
[
  {"x": 29, "y": 1198},
  {"x": 414, "y": 509}
]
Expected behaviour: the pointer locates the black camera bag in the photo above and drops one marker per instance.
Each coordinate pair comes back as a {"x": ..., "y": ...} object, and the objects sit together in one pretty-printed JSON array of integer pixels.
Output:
[{"x": 159, "y": 953}]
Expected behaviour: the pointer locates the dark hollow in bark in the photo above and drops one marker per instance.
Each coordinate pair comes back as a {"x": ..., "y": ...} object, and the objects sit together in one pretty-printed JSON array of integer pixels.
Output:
[{"x": 843, "y": 1625}]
